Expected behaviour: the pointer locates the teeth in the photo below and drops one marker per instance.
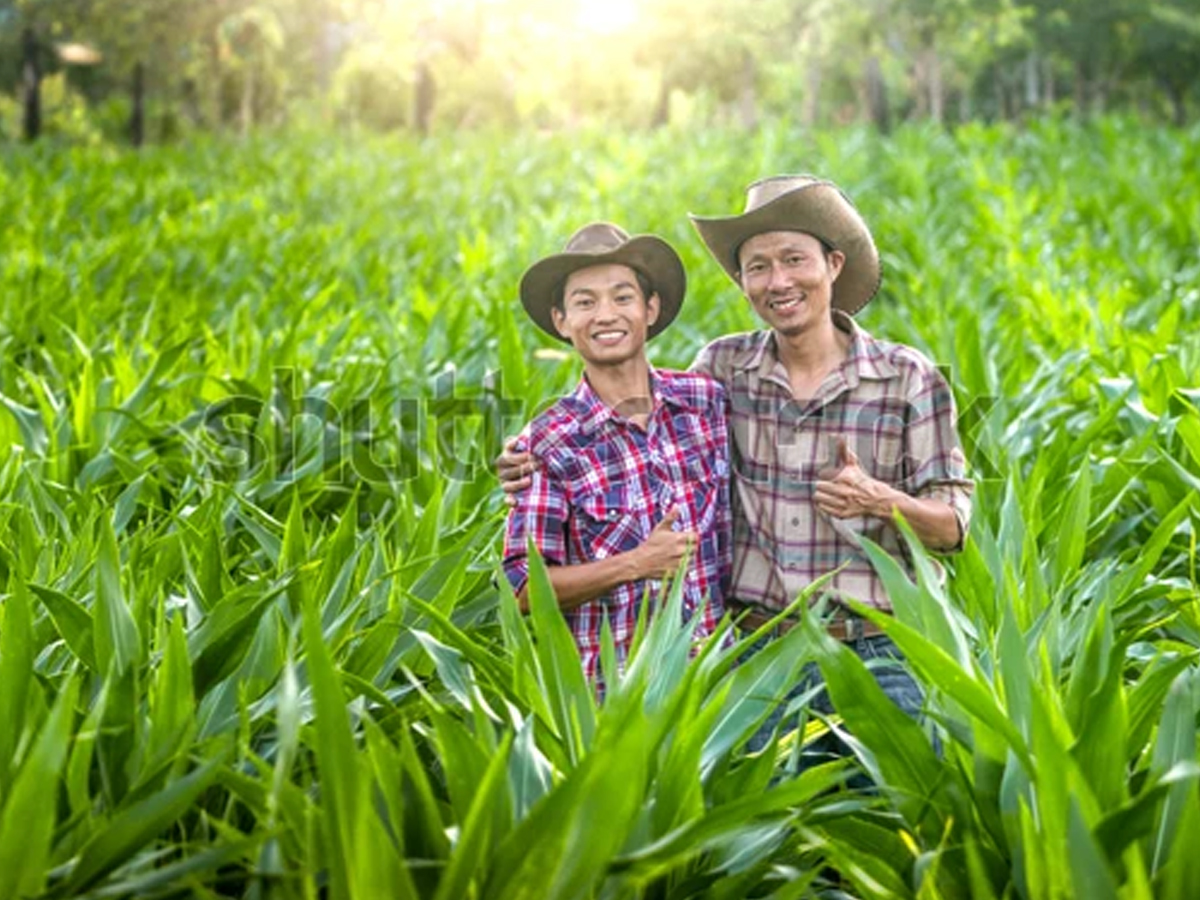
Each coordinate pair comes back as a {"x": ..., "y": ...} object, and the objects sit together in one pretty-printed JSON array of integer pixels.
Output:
[
  {"x": 609, "y": 335},
  {"x": 785, "y": 304}
]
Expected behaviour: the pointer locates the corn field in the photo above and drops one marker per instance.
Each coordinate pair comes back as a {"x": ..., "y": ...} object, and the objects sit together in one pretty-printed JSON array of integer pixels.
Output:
[{"x": 252, "y": 639}]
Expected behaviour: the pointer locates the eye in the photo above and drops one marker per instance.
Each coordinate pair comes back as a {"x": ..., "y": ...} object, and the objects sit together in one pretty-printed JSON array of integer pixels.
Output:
[
  {"x": 625, "y": 298},
  {"x": 795, "y": 260}
]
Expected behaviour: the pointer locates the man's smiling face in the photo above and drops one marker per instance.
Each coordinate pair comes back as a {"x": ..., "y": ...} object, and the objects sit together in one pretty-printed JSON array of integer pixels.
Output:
[
  {"x": 788, "y": 278},
  {"x": 605, "y": 314}
]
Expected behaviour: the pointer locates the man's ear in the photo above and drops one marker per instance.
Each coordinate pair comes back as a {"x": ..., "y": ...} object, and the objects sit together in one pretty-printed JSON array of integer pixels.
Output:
[
  {"x": 741, "y": 283},
  {"x": 559, "y": 318},
  {"x": 837, "y": 259},
  {"x": 653, "y": 306}
]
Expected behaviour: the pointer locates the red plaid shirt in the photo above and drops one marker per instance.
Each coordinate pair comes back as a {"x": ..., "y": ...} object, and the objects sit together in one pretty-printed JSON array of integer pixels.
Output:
[{"x": 603, "y": 484}]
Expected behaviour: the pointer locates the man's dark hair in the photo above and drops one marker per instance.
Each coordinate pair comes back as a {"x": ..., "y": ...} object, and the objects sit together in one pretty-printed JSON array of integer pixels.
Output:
[
  {"x": 643, "y": 283},
  {"x": 826, "y": 248}
]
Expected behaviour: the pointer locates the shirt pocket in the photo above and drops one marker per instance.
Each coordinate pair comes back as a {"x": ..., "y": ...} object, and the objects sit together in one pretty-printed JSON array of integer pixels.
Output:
[
  {"x": 608, "y": 523},
  {"x": 887, "y": 462},
  {"x": 699, "y": 492}
]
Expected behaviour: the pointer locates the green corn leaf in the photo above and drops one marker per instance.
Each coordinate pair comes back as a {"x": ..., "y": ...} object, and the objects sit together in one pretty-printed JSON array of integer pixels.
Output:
[
  {"x": 337, "y": 759},
  {"x": 16, "y": 676},
  {"x": 1138, "y": 818},
  {"x": 481, "y": 829},
  {"x": 73, "y": 623},
  {"x": 172, "y": 703},
  {"x": 1175, "y": 745},
  {"x": 1090, "y": 871},
  {"x": 570, "y": 696},
  {"x": 938, "y": 669},
  {"x": 529, "y": 772},
  {"x": 136, "y": 826},
  {"x": 901, "y": 748},
  {"x": 26, "y": 819},
  {"x": 1072, "y": 530},
  {"x": 118, "y": 644},
  {"x": 1180, "y": 877}
]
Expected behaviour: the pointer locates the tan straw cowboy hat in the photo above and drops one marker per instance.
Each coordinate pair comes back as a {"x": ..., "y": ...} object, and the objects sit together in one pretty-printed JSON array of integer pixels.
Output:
[
  {"x": 597, "y": 244},
  {"x": 801, "y": 203}
]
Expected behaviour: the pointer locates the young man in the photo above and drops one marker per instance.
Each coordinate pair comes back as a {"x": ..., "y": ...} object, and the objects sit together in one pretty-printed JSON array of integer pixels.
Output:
[
  {"x": 832, "y": 429},
  {"x": 632, "y": 470}
]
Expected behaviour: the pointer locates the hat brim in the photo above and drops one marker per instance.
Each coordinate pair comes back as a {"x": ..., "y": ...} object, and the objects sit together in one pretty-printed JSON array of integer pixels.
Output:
[
  {"x": 818, "y": 209},
  {"x": 651, "y": 256}
]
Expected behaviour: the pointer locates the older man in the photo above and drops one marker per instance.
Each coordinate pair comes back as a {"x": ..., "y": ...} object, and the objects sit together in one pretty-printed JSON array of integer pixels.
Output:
[
  {"x": 633, "y": 465},
  {"x": 833, "y": 430}
]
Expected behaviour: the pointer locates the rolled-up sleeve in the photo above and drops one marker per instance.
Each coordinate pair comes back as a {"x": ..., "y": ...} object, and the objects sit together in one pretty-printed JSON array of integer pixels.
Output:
[
  {"x": 937, "y": 465},
  {"x": 540, "y": 514}
]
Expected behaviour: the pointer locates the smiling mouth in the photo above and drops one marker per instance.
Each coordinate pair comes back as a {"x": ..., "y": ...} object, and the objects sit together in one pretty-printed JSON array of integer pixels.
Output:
[
  {"x": 785, "y": 304},
  {"x": 608, "y": 337}
]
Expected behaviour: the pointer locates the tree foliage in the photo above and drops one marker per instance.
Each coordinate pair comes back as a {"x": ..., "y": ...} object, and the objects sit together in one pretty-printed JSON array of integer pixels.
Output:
[{"x": 455, "y": 63}]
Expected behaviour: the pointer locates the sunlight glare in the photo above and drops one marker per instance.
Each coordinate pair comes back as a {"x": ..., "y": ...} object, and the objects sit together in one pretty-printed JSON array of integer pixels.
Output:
[{"x": 607, "y": 16}]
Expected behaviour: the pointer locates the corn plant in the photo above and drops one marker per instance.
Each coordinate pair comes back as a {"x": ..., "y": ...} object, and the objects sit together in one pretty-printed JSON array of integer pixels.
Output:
[{"x": 253, "y": 641}]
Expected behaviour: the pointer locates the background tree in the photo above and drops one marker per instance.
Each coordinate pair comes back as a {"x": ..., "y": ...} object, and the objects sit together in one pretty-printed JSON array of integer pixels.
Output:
[{"x": 429, "y": 64}]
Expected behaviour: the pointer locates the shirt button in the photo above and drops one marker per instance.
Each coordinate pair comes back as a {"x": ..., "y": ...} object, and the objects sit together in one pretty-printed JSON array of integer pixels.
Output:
[{"x": 796, "y": 522}]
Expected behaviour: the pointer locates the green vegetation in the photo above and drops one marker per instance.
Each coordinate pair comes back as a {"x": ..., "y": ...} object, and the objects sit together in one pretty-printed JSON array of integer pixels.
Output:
[{"x": 250, "y": 639}]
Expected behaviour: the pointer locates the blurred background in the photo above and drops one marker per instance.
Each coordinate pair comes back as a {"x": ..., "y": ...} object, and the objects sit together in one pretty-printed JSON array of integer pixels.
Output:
[{"x": 154, "y": 70}]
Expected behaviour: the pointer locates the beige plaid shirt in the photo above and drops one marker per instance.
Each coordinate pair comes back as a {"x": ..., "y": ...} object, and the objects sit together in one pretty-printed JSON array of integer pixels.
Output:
[{"x": 898, "y": 414}]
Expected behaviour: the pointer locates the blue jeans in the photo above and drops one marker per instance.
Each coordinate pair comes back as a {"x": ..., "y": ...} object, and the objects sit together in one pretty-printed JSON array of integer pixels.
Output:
[{"x": 884, "y": 660}]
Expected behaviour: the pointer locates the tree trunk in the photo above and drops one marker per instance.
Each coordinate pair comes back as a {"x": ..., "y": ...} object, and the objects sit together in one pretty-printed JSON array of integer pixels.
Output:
[
  {"x": 137, "y": 117},
  {"x": 876, "y": 95},
  {"x": 1049, "y": 91},
  {"x": 191, "y": 103},
  {"x": 424, "y": 96},
  {"x": 1000, "y": 91},
  {"x": 810, "y": 113},
  {"x": 1080, "y": 91},
  {"x": 662, "y": 106},
  {"x": 247, "y": 110},
  {"x": 748, "y": 96},
  {"x": 1033, "y": 94},
  {"x": 937, "y": 89},
  {"x": 31, "y": 79},
  {"x": 1176, "y": 94},
  {"x": 920, "y": 88},
  {"x": 966, "y": 106}
]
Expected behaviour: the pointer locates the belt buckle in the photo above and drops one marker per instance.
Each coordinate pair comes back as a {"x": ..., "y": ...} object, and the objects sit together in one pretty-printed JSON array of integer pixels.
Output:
[{"x": 850, "y": 626}]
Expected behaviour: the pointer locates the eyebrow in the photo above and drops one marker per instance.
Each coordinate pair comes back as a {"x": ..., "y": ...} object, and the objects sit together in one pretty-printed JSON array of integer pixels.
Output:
[
  {"x": 619, "y": 286},
  {"x": 786, "y": 250}
]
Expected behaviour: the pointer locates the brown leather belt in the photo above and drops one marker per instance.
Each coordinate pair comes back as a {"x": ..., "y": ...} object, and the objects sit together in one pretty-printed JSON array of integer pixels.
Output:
[{"x": 842, "y": 627}]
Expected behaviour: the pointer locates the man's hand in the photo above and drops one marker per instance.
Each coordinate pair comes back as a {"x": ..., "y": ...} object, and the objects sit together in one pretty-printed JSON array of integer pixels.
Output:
[
  {"x": 851, "y": 491},
  {"x": 513, "y": 469},
  {"x": 660, "y": 554}
]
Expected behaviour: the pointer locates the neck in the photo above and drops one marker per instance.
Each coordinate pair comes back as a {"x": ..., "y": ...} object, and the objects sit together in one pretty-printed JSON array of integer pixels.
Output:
[
  {"x": 624, "y": 387},
  {"x": 815, "y": 352}
]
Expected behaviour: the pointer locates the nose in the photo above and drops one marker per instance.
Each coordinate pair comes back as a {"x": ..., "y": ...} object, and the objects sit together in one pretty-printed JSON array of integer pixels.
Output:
[
  {"x": 606, "y": 310},
  {"x": 781, "y": 278}
]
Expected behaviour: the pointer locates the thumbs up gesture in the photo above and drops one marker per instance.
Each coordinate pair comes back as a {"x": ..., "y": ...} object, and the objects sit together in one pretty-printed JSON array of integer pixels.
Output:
[
  {"x": 849, "y": 491},
  {"x": 660, "y": 554}
]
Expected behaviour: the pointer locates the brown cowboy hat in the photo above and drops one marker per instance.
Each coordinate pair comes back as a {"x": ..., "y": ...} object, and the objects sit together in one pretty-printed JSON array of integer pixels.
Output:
[
  {"x": 595, "y": 245},
  {"x": 801, "y": 203}
]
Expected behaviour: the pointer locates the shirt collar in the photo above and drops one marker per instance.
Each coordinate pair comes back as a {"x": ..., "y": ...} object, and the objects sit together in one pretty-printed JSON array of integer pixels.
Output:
[
  {"x": 866, "y": 358},
  {"x": 593, "y": 413}
]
